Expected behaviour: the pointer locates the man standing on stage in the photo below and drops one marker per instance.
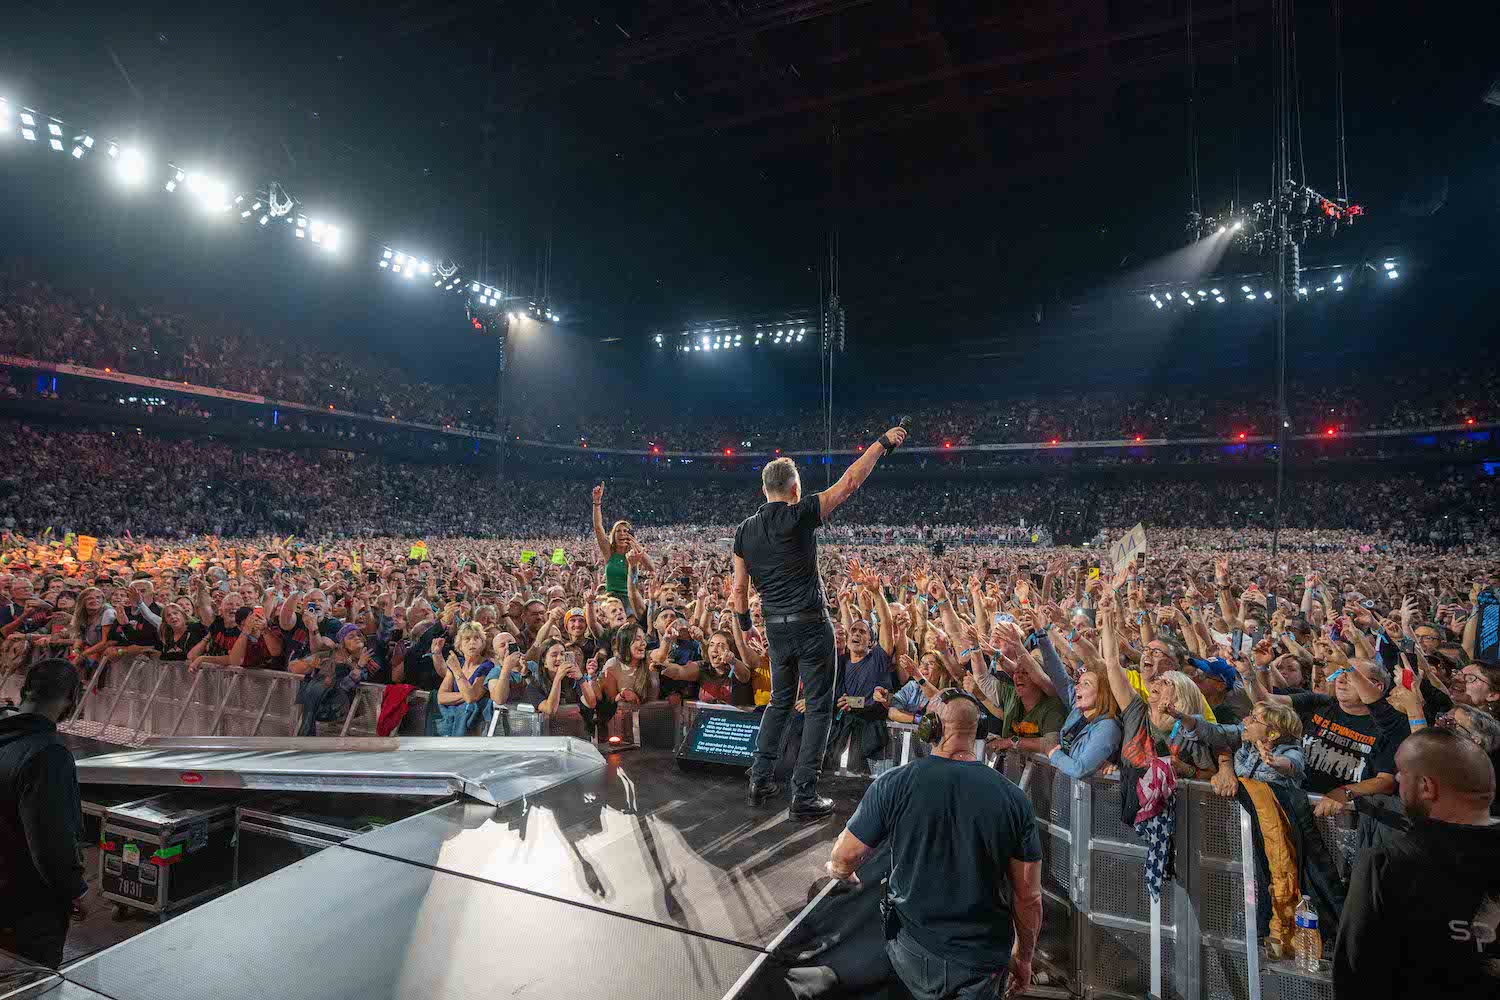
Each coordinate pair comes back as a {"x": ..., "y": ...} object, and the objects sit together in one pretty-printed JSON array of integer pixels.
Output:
[{"x": 777, "y": 549}]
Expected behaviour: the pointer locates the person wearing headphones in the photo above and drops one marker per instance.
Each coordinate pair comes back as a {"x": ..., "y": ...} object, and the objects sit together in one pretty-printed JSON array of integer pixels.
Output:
[
  {"x": 41, "y": 818},
  {"x": 963, "y": 904}
]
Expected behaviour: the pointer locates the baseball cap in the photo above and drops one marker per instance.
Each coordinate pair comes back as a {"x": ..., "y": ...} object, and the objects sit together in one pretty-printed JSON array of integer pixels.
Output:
[
  {"x": 574, "y": 613},
  {"x": 1219, "y": 669}
]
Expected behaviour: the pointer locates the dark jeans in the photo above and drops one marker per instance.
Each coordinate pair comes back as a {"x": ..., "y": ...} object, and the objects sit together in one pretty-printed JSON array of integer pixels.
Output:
[
  {"x": 929, "y": 977},
  {"x": 799, "y": 651},
  {"x": 35, "y": 935}
]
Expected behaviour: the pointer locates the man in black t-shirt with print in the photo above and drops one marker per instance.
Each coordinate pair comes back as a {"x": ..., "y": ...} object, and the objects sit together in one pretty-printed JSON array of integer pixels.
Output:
[
  {"x": 965, "y": 891},
  {"x": 777, "y": 548},
  {"x": 1350, "y": 738}
]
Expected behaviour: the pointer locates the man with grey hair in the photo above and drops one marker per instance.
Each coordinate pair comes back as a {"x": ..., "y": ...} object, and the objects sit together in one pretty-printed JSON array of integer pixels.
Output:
[{"x": 777, "y": 548}]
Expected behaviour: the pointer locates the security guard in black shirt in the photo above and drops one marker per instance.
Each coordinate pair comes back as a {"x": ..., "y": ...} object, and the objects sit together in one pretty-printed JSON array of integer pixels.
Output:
[
  {"x": 777, "y": 548},
  {"x": 41, "y": 822}
]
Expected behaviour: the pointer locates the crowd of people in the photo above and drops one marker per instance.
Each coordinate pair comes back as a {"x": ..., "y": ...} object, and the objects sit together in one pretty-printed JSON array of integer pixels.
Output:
[
  {"x": 109, "y": 481},
  {"x": 1391, "y": 400},
  {"x": 43, "y": 322},
  {"x": 1360, "y": 664},
  {"x": 46, "y": 323},
  {"x": 1203, "y": 658}
]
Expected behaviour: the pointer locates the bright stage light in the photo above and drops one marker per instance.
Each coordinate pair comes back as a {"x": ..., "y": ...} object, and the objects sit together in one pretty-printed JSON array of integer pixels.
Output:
[
  {"x": 1250, "y": 297},
  {"x": 27, "y": 118},
  {"x": 1268, "y": 295},
  {"x": 130, "y": 165},
  {"x": 212, "y": 192},
  {"x": 385, "y": 263},
  {"x": 1238, "y": 226},
  {"x": 1244, "y": 288},
  {"x": 56, "y": 145},
  {"x": 28, "y": 134},
  {"x": 264, "y": 219},
  {"x": 77, "y": 152},
  {"x": 1213, "y": 291},
  {"x": 1338, "y": 279},
  {"x": 1393, "y": 274},
  {"x": 475, "y": 287},
  {"x": 1219, "y": 299},
  {"x": 54, "y": 129},
  {"x": 426, "y": 267},
  {"x": 1221, "y": 230},
  {"x": 1389, "y": 266},
  {"x": 410, "y": 271},
  {"x": 1158, "y": 304}
]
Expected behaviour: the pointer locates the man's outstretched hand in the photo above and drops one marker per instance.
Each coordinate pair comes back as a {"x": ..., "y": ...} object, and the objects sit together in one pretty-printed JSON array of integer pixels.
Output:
[{"x": 896, "y": 436}]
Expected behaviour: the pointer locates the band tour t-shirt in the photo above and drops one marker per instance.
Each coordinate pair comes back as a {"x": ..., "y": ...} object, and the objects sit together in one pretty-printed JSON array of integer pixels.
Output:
[{"x": 1341, "y": 748}]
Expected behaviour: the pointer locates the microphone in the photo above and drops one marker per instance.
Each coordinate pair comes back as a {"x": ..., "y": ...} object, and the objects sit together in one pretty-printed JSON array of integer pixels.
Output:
[{"x": 905, "y": 424}]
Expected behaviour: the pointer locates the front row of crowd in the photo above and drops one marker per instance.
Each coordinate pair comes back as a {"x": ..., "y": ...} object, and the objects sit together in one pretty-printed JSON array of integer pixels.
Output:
[{"x": 1190, "y": 668}]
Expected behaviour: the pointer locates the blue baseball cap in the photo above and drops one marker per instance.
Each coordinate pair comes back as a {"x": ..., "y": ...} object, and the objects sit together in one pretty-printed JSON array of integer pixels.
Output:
[{"x": 1219, "y": 669}]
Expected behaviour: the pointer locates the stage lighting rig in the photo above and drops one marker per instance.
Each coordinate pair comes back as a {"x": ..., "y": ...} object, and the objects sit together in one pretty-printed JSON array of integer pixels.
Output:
[
  {"x": 211, "y": 192},
  {"x": 1308, "y": 214},
  {"x": 1328, "y": 281},
  {"x": 542, "y": 312}
]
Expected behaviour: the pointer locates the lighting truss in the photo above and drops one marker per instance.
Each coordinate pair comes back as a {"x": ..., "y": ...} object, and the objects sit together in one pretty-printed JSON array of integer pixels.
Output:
[
  {"x": 729, "y": 335},
  {"x": 1308, "y": 214},
  {"x": 216, "y": 196},
  {"x": 1315, "y": 283}
]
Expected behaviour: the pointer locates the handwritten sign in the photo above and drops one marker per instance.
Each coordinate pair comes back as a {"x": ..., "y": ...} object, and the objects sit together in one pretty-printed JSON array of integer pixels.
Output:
[
  {"x": 1130, "y": 546},
  {"x": 86, "y": 546}
]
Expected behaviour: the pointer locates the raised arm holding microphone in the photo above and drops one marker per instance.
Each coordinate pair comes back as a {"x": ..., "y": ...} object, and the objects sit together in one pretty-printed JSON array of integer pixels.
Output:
[{"x": 777, "y": 548}]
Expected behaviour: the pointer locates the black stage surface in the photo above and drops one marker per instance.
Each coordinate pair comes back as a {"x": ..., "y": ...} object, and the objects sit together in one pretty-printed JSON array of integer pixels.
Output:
[{"x": 636, "y": 880}]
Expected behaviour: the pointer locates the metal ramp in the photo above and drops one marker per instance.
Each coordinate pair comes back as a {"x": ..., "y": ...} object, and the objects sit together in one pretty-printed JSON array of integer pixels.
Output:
[{"x": 493, "y": 771}]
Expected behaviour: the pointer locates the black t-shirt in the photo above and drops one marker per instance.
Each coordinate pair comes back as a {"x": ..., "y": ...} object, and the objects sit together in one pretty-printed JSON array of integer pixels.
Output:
[
  {"x": 137, "y": 631},
  {"x": 954, "y": 827},
  {"x": 1420, "y": 916},
  {"x": 178, "y": 648},
  {"x": 1340, "y": 748},
  {"x": 221, "y": 638},
  {"x": 780, "y": 550}
]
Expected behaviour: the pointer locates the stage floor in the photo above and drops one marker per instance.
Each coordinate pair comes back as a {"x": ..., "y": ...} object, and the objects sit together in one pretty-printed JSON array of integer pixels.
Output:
[{"x": 634, "y": 879}]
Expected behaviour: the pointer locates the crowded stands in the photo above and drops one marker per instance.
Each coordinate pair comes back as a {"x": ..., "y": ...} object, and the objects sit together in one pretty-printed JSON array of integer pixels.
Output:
[{"x": 48, "y": 324}]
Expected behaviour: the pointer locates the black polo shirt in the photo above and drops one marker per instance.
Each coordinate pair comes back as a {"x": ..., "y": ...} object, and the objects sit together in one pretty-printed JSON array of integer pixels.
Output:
[{"x": 780, "y": 547}]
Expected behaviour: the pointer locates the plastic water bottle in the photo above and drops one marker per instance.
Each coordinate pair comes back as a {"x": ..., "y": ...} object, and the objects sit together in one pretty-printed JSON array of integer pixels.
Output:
[{"x": 1307, "y": 945}]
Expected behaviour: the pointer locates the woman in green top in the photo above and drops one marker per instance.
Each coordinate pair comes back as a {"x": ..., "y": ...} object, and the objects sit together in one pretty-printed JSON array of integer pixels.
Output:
[{"x": 613, "y": 547}]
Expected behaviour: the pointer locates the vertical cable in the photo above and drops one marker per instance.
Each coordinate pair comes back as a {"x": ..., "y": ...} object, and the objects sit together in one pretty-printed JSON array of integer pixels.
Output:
[
  {"x": 1341, "y": 162},
  {"x": 1195, "y": 200}
]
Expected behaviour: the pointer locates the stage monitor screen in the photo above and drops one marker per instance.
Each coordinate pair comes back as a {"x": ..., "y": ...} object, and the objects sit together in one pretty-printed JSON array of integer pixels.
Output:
[{"x": 721, "y": 736}]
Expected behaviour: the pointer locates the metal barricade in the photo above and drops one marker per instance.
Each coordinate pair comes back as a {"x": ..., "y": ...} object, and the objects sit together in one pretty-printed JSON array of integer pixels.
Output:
[
  {"x": 1103, "y": 935},
  {"x": 127, "y": 702}
]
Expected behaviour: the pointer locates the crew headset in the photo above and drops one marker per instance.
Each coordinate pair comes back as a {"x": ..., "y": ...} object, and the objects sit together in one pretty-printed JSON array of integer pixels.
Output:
[{"x": 930, "y": 729}]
